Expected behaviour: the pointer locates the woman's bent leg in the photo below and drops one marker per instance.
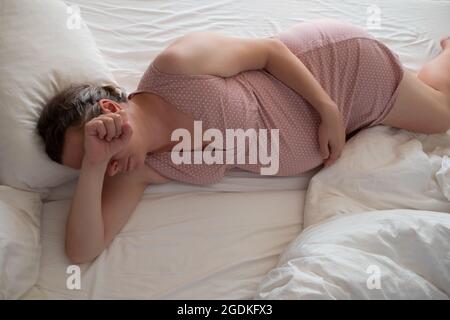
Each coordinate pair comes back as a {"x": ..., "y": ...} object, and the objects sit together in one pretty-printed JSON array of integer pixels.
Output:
[
  {"x": 419, "y": 107},
  {"x": 436, "y": 73}
]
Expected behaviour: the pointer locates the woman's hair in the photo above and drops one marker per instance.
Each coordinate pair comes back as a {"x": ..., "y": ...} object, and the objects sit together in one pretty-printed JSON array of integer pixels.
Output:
[{"x": 72, "y": 107}]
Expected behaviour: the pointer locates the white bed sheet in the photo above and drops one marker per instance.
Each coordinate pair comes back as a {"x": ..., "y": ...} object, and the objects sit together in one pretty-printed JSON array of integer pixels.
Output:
[
  {"x": 131, "y": 33},
  {"x": 203, "y": 245},
  {"x": 234, "y": 181},
  {"x": 227, "y": 249}
]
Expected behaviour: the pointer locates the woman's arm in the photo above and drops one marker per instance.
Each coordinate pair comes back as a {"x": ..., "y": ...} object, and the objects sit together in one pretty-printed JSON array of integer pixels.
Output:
[
  {"x": 225, "y": 56},
  {"x": 84, "y": 227},
  {"x": 101, "y": 205},
  {"x": 100, "y": 208},
  {"x": 215, "y": 54}
]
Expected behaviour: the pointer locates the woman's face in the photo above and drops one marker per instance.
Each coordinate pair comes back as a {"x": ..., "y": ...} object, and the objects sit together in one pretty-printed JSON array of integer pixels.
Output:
[{"x": 130, "y": 158}]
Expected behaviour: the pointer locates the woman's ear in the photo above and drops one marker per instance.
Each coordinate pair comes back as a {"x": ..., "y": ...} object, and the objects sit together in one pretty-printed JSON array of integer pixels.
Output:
[
  {"x": 113, "y": 168},
  {"x": 109, "y": 106}
]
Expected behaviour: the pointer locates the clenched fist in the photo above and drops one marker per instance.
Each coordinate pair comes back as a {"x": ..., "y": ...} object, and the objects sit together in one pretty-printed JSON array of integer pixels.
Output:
[{"x": 105, "y": 136}]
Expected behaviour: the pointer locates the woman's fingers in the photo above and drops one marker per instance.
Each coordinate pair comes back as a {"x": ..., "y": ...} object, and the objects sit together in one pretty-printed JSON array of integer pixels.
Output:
[
  {"x": 336, "y": 150},
  {"x": 118, "y": 129},
  {"x": 113, "y": 123},
  {"x": 124, "y": 115},
  {"x": 100, "y": 128},
  {"x": 110, "y": 127},
  {"x": 118, "y": 123},
  {"x": 126, "y": 132},
  {"x": 95, "y": 128},
  {"x": 323, "y": 143},
  {"x": 120, "y": 142}
]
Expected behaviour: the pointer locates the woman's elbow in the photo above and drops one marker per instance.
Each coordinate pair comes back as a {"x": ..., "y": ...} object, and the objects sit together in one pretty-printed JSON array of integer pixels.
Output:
[{"x": 277, "y": 48}]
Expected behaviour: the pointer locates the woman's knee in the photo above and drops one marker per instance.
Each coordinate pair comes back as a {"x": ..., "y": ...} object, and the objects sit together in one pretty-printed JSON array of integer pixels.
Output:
[
  {"x": 419, "y": 108},
  {"x": 436, "y": 73}
]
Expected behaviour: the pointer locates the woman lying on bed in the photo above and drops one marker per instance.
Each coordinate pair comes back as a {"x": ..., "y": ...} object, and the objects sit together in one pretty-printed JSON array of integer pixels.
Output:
[{"x": 318, "y": 83}]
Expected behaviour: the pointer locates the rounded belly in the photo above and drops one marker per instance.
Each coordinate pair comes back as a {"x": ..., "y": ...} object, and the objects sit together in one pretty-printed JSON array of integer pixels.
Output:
[{"x": 358, "y": 72}]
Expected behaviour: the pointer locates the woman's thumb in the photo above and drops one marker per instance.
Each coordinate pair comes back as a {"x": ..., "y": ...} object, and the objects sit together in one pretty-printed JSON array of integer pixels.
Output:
[
  {"x": 127, "y": 132},
  {"x": 323, "y": 142}
]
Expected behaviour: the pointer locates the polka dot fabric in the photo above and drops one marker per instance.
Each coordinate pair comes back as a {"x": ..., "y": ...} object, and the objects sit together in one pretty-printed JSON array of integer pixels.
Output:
[{"x": 358, "y": 72}]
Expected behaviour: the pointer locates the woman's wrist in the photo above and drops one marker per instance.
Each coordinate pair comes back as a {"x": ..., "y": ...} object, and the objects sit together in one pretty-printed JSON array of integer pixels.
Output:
[
  {"x": 324, "y": 108},
  {"x": 88, "y": 164}
]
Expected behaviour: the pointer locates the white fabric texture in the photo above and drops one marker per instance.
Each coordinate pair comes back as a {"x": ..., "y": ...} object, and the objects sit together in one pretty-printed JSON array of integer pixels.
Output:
[
  {"x": 391, "y": 254},
  {"x": 443, "y": 177},
  {"x": 131, "y": 33},
  {"x": 382, "y": 168},
  {"x": 20, "y": 243},
  {"x": 186, "y": 246},
  {"x": 234, "y": 181},
  {"x": 39, "y": 56}
]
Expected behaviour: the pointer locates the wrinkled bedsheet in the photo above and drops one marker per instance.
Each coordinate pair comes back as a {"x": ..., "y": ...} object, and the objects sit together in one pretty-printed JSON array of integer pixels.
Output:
[{"x": 355, "y": 229}]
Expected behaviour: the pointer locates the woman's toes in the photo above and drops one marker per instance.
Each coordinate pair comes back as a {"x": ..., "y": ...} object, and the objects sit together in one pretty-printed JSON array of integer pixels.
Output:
[{"x": 445, "y": 42}]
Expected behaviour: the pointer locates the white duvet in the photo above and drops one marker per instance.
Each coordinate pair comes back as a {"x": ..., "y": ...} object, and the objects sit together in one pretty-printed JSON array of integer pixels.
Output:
[
  {"x": 383, "y": 168},
  {"x": 355, "y": 247},
  {"x": 386, "y": 254}
]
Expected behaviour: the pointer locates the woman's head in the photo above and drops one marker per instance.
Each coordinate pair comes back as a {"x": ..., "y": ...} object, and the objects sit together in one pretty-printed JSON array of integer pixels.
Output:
[{"x": 62, "y": 120}]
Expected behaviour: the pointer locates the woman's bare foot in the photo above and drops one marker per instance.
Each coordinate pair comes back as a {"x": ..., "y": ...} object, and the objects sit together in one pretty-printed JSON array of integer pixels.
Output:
[
  {"x": 445, "y": 43},
  {"x": 436, "y": 73}
]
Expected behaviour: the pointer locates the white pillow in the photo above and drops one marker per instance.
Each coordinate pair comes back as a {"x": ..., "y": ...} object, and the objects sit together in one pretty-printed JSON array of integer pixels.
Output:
[
  {"x": 42, "y": 52},
  {"x": 20, "y": 244}
]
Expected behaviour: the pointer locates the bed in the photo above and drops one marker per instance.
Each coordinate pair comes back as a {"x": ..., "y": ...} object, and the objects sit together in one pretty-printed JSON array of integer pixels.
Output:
[{"x": 264, "y": 237}]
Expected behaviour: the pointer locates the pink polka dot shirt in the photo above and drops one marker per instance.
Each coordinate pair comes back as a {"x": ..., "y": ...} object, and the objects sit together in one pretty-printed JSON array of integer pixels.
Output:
[{"x": 357, "y": 71}]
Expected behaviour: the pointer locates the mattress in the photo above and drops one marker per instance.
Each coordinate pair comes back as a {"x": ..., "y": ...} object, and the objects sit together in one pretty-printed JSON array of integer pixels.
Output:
[{"x": 183, "y": 242}]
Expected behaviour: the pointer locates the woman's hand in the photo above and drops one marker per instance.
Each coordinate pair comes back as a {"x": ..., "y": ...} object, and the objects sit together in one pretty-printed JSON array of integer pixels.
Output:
[
  {"x": 105, "y": 136},
  {"x": 331, "y": 134}
]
